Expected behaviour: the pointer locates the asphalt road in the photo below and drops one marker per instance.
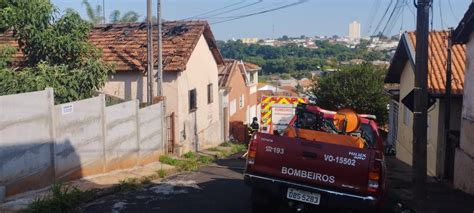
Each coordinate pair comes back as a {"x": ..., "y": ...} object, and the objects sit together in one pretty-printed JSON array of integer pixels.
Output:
[{"x": 215, "y": 188}]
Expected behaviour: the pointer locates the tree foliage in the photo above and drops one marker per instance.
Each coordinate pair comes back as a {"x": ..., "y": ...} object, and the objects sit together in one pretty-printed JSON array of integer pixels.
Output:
[
  {"x": 56, "y": 52},
  {"x": 359, "y": 87},
  {"x": 94, "y": 14},
  {"x": 130, "y": 16},
  {"x": 291, "y": 57}
]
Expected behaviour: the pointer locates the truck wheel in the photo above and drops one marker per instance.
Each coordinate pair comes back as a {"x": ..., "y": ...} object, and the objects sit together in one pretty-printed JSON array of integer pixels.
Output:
[{"x": 259, "y": 200}]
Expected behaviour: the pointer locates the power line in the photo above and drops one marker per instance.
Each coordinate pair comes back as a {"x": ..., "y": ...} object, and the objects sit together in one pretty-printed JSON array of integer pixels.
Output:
[
  {"x": 215, "y": 10},
  {"x": 452, "y": 11},
  {"x": 441, "y": 15},
  {"x": 235, "y": 9},
  {"x": 393, "y": 17},
  {"x": 373, "y": 13},
  {"x": 263, "y": 12},
  {"x": 249, "y": 11},
  {"x": 383, "y": 17}
]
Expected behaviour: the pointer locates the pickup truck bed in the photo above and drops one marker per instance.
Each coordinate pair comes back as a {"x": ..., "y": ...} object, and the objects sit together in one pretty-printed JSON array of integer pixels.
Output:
[{"x": 314, "y": 173}]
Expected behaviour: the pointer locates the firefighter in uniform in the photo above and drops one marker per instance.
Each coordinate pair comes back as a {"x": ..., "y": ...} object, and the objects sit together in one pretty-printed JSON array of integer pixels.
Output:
[{"x": 251, "y": 129}]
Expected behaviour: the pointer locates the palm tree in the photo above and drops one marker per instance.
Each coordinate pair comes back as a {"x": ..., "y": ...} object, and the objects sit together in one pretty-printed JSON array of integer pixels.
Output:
[
  {"x": 93, "y": 14},
  {"x": 130, "y": 16}
]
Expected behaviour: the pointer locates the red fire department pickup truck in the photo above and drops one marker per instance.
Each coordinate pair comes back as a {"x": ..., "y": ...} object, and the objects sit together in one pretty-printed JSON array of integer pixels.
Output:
[{"x": 332, "y": 168}]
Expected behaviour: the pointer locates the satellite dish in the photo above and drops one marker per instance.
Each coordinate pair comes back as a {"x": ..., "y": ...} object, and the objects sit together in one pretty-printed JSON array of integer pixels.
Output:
[{"x": 346, "y": 121}]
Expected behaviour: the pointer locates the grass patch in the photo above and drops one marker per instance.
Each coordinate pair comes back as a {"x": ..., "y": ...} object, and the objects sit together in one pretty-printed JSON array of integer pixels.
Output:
[
  {"x": 162, "y": 173},
  {"x": 226, "y": 144},
  {"x": 214, "y": 149},
  {"x": 205, "y": 159},
  {"x": 168, "y": 160},
  {"x": 190, "y": 162},
  {"x": 237, "y": 148},
  {"x": 63, "y": 199},
  {"x": 129, "y": 184},
  {"x": 190, "y": 155}
]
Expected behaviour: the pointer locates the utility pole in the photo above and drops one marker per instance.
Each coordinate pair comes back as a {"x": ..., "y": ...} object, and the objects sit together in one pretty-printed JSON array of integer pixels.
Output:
[
  {"x": 420, "y": 118},
  {"x": 447, "y": 108},
  {"x": 160, "y": 51},
  {"x": 149, "y": 53}
]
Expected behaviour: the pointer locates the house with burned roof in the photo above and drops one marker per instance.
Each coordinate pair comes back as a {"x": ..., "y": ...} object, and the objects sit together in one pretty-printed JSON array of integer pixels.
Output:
[
  {"x": 440, "y": 155},
  {"x": 190, "y": 70},
  {"x": 239, "y": 80},
  {"x": 190, "y": 74}
]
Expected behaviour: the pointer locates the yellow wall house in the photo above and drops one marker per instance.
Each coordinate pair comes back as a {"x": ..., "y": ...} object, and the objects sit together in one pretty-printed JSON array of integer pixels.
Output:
[
  {"x": 440, "y": 156},
  {"x": 464, "y": 161},
  {"x": 190, "y": 76}
]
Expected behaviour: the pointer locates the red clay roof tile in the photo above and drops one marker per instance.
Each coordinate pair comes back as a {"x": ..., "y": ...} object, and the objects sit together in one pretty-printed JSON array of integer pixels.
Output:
[
  {"x": 125, "y": 44},
  {"x": 438, "y": 43}
]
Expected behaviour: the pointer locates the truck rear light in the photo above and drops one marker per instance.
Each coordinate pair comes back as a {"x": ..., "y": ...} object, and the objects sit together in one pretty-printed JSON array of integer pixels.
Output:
[
  {"x": 374, "y": 175},
  {"x": 375, "y": 170},
  {"x": 252, "y": 152}
]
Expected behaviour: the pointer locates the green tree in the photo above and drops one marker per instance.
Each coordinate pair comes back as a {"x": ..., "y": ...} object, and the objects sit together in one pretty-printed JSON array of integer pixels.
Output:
[
  {"x": 130, "y": 16},
  {"x": 94, "y": 14},
  {"x": 56, "y": 52},
  {"x": 359, "y": 87},
  {"x": 6, "y": 52}
]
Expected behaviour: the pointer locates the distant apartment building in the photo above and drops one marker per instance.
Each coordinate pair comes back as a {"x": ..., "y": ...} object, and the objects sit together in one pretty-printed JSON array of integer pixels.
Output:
[
  {"x": 249, "y": 40},
  {"x": 354, "y": 31}
]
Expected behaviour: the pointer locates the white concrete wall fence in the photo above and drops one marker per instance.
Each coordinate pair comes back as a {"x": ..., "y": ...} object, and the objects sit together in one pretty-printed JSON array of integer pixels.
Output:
[
  {"x": 121, "y": 144},
  {"x": 78, "y": 148},
  {"x": 41, "y": 143},
  {"x": 26, "y": 141},
  {"x": 150, "y": 132}
]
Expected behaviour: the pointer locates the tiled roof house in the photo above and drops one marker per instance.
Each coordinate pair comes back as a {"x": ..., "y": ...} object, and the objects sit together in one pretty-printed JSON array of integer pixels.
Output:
[
  {"x": 239, "y": 81},
  {"x": 190, "y": 73},
  {"x": 401, "y": 72}
]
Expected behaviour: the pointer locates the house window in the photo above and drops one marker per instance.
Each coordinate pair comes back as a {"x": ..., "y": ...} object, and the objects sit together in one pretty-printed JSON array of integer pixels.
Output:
[
  {"x": 192, "y": 100},
  {"x": 406, "y": 116},
  {"x": 233, "y": 107},
  {"x": 241, "y": 101},
  {"x": 252, "y": 78},
  {"x": 210, "y": 97}
]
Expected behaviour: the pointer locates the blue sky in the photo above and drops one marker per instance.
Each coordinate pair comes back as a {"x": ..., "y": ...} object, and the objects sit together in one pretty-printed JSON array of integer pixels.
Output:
[{"x": 313, "y": 17}]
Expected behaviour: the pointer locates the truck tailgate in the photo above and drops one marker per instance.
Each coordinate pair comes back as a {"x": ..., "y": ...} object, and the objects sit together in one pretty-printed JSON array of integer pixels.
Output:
[{"x": 312, "y": 162}]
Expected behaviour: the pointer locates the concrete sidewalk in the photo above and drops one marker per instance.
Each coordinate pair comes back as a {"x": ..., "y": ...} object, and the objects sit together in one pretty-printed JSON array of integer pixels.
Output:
[
  {"x": 103, "y": 183},
  {"x": 441, "y": 197}
]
